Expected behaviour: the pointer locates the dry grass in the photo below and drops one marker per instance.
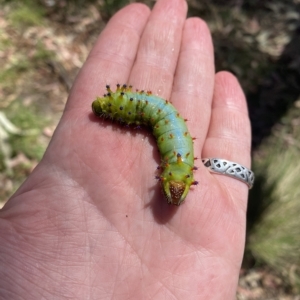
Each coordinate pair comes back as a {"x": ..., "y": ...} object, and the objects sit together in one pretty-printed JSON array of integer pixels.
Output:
[{"x": 275, "y": 238}]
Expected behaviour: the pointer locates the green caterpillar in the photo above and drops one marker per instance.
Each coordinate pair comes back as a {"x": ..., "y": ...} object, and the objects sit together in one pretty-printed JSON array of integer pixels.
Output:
[{"x": 174, "y": 142}]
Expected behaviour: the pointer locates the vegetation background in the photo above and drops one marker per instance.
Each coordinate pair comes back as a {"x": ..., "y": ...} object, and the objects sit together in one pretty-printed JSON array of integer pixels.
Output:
[{"x": 43, "y": 43}]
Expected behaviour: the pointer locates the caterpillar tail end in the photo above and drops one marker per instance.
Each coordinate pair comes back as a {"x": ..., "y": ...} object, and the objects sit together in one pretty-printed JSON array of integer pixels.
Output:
[
  {"x": 175, "y": 191},
  {"x": 96, "y": 107}
]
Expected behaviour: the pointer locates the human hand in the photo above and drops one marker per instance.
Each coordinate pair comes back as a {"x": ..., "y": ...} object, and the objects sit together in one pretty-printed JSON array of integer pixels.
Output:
[{"x": 90, "y": 222}]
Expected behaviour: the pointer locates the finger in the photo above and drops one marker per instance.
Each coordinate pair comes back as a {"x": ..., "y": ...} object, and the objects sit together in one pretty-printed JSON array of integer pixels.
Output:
[
  {"x": 229, "y": 135},
  {"x": 112, "y": 57},
  {"x": 109, "y": 62},
  {"x": 194, "y": 79},
  {"x": 158, "y": 51}
]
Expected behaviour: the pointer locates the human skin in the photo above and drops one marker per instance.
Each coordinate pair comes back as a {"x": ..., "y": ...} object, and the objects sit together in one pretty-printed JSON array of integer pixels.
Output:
[{"x": 90, "y": 222}]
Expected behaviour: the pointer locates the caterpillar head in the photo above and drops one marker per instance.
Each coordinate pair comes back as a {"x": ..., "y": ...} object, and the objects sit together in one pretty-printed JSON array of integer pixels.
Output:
[
  {"x": 175, "y": 191},
  {"x": 176, "y": 180}
]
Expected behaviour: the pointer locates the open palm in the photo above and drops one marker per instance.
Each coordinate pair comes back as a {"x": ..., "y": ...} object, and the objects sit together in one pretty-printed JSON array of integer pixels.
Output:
[{"x": 91, "y": 222}]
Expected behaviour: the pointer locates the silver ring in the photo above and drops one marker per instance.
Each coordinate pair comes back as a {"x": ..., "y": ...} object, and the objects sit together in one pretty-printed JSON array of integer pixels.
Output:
[{"x": 231, "y": 169}]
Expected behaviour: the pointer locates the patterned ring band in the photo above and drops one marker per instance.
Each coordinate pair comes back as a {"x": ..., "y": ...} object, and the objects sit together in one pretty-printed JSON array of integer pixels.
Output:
[{"x": 229, "y": 168}]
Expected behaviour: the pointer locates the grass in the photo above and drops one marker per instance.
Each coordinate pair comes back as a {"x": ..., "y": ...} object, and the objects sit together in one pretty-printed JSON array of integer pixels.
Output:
[
  {"x": 275, "y": 238},
  {"x": 26, "y": 13},
  {"x": 31, "y": 121},
  {"x": 21, "y": 149},
  {"x": 21, "y": 67}
]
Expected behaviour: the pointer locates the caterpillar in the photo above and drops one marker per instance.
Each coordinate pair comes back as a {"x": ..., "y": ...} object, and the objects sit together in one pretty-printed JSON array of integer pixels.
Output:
[{"x": 174, "y": 141}]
